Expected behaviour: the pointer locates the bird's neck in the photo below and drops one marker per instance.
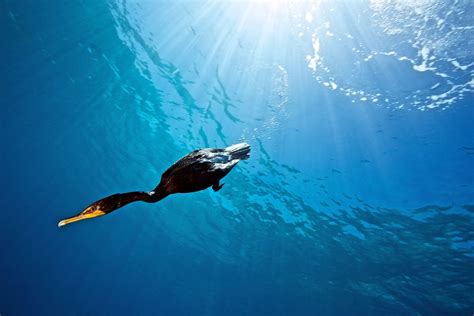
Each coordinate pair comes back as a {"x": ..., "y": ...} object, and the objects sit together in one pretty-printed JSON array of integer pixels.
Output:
[
  {"x": 156, "y": 195},
  {"x": 149, "y": 197}
]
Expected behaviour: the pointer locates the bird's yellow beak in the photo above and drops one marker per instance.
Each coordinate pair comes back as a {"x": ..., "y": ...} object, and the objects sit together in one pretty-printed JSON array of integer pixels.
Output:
[{"x": 83, "y": 215}]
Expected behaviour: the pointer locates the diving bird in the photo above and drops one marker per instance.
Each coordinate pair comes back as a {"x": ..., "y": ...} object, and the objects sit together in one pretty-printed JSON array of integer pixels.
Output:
[{"x": 199, "y": 170}]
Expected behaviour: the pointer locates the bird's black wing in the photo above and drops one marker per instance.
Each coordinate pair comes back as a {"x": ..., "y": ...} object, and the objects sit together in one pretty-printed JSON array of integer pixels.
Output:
[{"x": 194, "y": 161}]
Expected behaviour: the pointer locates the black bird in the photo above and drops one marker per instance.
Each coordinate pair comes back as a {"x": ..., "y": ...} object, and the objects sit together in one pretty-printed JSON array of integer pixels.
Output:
[{"x": 196, "y": 171}]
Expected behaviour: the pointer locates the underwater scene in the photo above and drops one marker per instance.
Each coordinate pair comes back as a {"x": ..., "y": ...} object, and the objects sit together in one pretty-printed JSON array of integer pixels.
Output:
[{"x": 357, "y": 197}]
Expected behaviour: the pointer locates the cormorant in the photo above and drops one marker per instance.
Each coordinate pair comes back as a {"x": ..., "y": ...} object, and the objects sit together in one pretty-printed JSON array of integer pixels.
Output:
[{"x": 199, "y": 170}]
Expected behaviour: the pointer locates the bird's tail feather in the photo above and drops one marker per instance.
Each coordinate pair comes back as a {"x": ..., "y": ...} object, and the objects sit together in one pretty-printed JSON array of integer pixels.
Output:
[{"x": 239, "y": 151}]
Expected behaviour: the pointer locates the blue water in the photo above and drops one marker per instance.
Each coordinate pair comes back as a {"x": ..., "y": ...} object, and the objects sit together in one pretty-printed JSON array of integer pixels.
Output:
[{"x": 358, "y": 198}]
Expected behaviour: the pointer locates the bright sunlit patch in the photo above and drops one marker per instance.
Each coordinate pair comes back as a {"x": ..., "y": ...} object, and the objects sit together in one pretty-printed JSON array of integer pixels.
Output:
[
  {"x": 349, "y": 47},
  {"x": 271, "y": 3},
  {"x": 276, "y": 2}
]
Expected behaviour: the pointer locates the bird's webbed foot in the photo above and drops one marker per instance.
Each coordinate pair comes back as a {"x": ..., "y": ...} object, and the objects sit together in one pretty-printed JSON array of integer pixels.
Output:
[{"x": 216, "y": 186}]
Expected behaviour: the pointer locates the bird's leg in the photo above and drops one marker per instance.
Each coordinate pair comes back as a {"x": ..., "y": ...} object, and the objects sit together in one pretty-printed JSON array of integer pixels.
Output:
[{"x": 216, "y": 187}]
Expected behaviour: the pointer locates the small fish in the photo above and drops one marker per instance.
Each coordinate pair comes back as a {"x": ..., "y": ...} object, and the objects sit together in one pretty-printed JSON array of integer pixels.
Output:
[
  {"x": 335, "y": 170},
  {"x": 195, "y": 69},
  {"x": 290, "y": 169},
  {"x": 367, "y": 205},
  {"x": 365, "y": 161},
  {"x": 346, "y": 196},
  {"x": 432, "y": 208}
]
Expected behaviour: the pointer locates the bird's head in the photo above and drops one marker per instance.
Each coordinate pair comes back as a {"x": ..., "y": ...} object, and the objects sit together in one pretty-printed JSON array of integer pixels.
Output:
[
  {"x": 89, "y": 212},
  {"x": 96, "y": 209}
]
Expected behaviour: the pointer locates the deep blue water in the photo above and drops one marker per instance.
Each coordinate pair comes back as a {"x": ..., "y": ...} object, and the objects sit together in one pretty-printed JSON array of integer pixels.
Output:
[{"x": 358, "y": 198}]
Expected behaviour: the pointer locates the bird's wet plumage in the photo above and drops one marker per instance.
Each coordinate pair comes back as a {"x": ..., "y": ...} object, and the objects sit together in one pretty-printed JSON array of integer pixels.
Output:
[{"x": 199, "y": 170}]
